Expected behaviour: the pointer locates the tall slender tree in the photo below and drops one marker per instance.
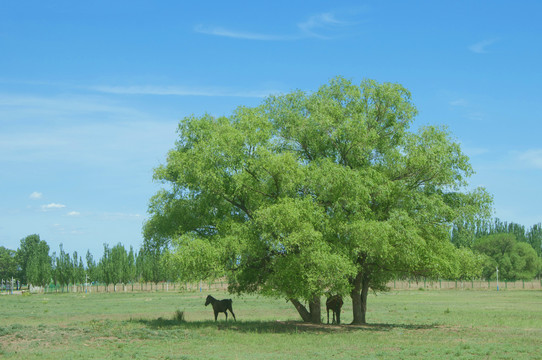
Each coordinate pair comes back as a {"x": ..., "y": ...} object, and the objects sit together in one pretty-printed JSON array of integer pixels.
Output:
[
  {"x": 92, "y": 271},
  {"x": 34, "y": 260},
  {"x": 534, "y": 238},
  {"x": 63, "y": 268},
  {"x": 105, "y": 267},
  {"x": 39, "y": 266}
]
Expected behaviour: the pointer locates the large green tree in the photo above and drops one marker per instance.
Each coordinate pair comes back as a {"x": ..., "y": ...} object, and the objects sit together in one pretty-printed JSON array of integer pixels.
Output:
[{"x": 315, "y": 193}]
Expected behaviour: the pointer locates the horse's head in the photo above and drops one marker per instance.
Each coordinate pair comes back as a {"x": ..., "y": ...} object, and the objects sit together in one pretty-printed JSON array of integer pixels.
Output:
[{"x": 209, "y": 299}]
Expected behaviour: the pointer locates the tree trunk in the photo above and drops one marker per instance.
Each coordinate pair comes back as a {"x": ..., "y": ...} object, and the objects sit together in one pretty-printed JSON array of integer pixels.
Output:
[
  {"x": 364, "y": 293},
  {"x": 355, "y": 294},
  {"x": 313, "y": 315},
  {"x": 305, "y": 315},
  {"x": 316, "y": 310},
  {"x": 359, "y": 294}
]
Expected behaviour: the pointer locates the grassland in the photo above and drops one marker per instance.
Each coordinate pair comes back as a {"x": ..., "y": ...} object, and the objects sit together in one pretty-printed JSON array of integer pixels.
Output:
[{"x": 413, "y": 324}]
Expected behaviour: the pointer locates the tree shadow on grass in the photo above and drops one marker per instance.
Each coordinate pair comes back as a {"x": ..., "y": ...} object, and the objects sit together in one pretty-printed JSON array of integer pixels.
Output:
[{"x": 289, "y": 327}]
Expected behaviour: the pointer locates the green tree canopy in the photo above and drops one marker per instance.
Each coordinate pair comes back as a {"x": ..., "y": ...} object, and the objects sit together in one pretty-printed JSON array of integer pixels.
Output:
[
  {"x": 311, "y": 193},
  {"x": 63, "y": 268},
  {"x": 515, "y": 260},
  {"x": 34, "y": 260},
  {"x": 8, "y": 264},
  {"x": 92, "y": 269}
]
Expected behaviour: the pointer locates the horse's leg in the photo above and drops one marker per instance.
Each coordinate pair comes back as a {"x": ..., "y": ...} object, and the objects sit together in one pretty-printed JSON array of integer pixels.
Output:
[
  {"x": 339, "y": 316},
  {"x": 216, "y": 315},
  {"x": 226, "y": 313},
  {"x": 231, "y": 310},
  {"x": 328, "y": 315}
]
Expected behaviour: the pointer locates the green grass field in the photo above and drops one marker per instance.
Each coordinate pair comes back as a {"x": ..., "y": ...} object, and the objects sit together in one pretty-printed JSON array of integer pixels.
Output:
[{"x": 403, "y": 325}]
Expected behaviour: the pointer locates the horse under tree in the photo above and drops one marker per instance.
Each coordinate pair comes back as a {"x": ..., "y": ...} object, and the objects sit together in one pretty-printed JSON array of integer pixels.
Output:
[
  {"x": 220, "y": 306},
  {"x": 334, "y": 303}
]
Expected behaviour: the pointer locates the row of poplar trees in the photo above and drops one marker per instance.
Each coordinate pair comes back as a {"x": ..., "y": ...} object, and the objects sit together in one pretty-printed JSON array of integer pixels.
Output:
[
  {"x": 513, "y": 249},
  {"x": 33, "y": 264}
]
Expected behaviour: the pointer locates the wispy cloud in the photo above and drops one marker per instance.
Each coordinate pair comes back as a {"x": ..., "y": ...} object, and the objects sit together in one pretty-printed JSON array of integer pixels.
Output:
[
  {"x": 36, "y": 195},
  {"x": 481, "y": 47},
  {"x": 120, "y": 216},
  {"x": 467, "y": 108},
  {"x": 74, "y": 213},
  {"x": 316, "y": 23},
  {"x": 220, "y": 31},
  {"x": 316, "y": 26},
  {"x": 474, "y": 151},
  {"x": 459, "y": 102},
  {"x": 181, "y": 91},
  {"x": 14, "y": 107},
  {"x": 531, "y": 158},
  {"x": 52, "y": 206}
]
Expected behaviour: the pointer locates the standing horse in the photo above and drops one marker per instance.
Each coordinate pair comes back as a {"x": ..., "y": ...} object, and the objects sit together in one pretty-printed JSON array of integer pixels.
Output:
[
  {"x": 334, "y": 303},
  {"x": 220, "y": 306}
]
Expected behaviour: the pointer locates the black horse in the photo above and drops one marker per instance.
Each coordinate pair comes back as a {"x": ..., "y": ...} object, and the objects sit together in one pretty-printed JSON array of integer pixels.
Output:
[
  {"x": 220, "y": 306},
  {"x": 335, "y": 303}
]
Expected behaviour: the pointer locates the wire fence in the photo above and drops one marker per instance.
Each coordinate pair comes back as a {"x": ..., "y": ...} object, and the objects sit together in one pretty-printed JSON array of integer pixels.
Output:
[
  {"x": 439, "y": 284},
  {"x": 222, "y": 285},
  {"x": 131, "y": 287}
]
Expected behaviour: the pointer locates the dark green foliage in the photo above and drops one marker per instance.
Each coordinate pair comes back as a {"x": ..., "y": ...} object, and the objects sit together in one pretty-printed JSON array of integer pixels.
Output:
[
  {"x": 34, "y": 261},
  {"x": 8, "y": 264},
  {"x": 515, "y": 260},
  {"x": 63, "y": 268}
]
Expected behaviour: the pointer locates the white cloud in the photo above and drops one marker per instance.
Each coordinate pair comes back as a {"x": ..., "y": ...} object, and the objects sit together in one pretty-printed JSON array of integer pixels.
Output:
[
  {"x": 324, "y": 21},
  {"x": 36, "y": 195},
  {"x": 476, "y": 115},
  {"x": 474, "y": 151},
  {"x": 60, "y": 105},
  {"x": 181, "y": 91},
  {"x": 316, "y": 26},
  {"x": 52, "y": 206},
  {"x": 74, "y": 213},
  {"x": 219, "y": 31},
  {"x": 468, "y": 109},
  {"x": 459, "y": 102},
  {"x": 119, "y": 215},
  {"x": 480, "y": 47},
  {"x": 531, "y": 158}
]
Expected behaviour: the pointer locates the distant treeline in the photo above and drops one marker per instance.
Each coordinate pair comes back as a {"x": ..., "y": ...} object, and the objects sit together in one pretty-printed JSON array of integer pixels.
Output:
[
  {"x": 512, "y": 248},
  {"x": 465, "y": 234},
  {"x": 33, "y": 264}
]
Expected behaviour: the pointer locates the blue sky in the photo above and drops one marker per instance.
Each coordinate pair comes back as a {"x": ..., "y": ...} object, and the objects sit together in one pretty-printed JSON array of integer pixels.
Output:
[{"x": 91, "y": 93}]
